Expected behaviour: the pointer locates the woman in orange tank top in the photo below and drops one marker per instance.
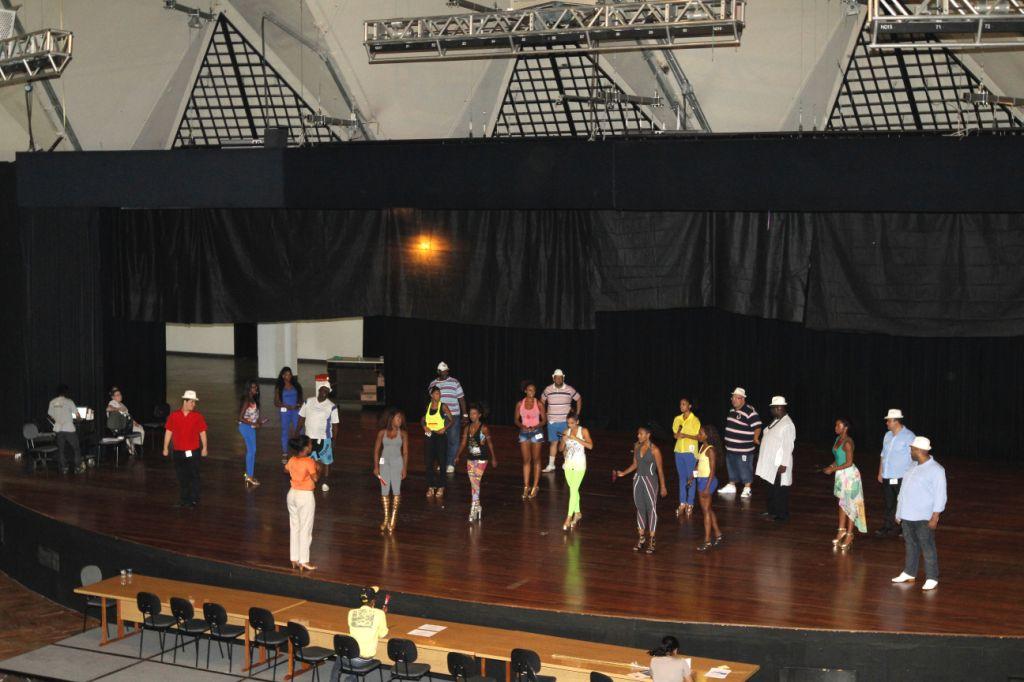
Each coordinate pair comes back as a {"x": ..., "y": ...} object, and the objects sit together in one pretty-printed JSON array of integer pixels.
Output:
[{"x": 304, "y": 472}]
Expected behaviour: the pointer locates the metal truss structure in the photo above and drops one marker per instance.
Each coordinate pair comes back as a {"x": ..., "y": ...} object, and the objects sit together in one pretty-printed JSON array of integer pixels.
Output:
[
  {"x": 582, "y": 29},
  {"x": 35, "y": 56},
  {"x": 925, "y": 89},
  {"x": 957, "y": 23}
]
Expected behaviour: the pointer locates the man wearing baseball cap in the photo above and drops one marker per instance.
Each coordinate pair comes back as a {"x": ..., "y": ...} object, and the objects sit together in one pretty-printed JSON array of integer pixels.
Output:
[
  {"x": 893, "y": 463},
  {"x": 186, "y": 428},
  {"x": 922, "y": 499},
  {"x": 742, "y": 437},
  {"x": 367, "y": 625},
  {"x": 559, "y": 399},
  {"x": 454, "y": 397}
]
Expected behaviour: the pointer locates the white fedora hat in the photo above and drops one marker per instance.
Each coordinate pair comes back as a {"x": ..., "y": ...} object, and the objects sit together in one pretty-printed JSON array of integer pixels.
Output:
[
  {"x": 441, "y": 367},
  {"x": 190, "y": 395},
  {"x": 778, "y": 401},
  {"x": 558, "y": 373},
  {"x": 740, "y": 392},
  {"x": 921, "y": 443},
  {"x": 894, "y": 414}
]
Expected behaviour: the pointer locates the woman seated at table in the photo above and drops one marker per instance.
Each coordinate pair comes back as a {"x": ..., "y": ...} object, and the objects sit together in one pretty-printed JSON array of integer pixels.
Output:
[
  {"x": 666, "y": 663},
  {"x": 116, "y": 405}
]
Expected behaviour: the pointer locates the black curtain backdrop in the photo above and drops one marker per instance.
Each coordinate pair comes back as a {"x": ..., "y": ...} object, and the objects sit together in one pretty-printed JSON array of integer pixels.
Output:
[
  {"x": 634, "y": 366},
  {"x": 903, "y": 274},
  {"x": 12, "y": 313}
]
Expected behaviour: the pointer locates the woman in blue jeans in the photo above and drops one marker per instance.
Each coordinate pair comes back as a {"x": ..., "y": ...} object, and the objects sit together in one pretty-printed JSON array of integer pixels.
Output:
[
  {"x": 685, "y": 428},
  {"x": 248, "y": 421},
  {"x": 288, "y": 399}
]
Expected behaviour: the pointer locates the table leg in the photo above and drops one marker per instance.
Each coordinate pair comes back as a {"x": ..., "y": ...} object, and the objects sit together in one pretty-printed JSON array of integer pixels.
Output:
[
  {"x": 248, "y": 658},
  {"x": 291, "y": 661},
  {"x": 120, "y": 622},
  {"x": 103, "y": 618}
]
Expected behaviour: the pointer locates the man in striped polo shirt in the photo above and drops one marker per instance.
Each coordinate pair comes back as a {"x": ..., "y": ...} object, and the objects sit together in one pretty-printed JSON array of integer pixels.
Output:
[
  {"x": 452, "y": 396},
  {"x": 742, "y": 437},
  {"x": 558, "y": 399}
]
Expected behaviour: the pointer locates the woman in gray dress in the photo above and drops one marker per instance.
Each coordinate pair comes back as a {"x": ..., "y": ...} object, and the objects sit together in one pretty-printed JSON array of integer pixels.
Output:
[
  {"x": 390, "y": 462},
  {"x": 648, "y": 482}
]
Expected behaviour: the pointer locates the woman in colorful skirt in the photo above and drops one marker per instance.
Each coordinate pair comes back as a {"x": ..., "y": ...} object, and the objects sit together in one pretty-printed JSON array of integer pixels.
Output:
[
  {"x": 848, "y": 488},
  {"x": 479, "y": 448}
]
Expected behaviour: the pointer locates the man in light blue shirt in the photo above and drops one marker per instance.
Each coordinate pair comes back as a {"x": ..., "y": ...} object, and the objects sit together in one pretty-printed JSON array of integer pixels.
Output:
[
  {"x": 893, "y": 463},
  {"x": 921, "y": 500}
]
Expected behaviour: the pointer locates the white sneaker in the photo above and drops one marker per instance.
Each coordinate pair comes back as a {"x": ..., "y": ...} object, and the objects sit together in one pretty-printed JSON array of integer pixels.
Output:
[
  {"x": 451, "y": 469},
  {"x": 903, "y": 578},
  {"x": 746, "y": 493},
  {"x": 325, "y": 487},
  {"x": 728, "y": 489},
  {"x": 550, "y": 467},
  {"x": 930, "y": 584}
]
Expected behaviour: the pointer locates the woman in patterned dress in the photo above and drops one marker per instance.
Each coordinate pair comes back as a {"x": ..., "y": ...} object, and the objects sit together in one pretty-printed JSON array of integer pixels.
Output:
[{"x": 847, "y": 488}]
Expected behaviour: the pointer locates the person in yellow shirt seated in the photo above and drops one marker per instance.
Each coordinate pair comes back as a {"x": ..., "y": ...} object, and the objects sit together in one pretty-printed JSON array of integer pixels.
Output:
[
  {"x": 367, "y": 625},
  {"x": 685, "y": 428}
]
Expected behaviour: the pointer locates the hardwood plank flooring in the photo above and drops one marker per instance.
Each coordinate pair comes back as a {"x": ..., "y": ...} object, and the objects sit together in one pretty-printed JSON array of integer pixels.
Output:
[
  {"x": 31, "y": 621},
  {"x": 766, "y": 574}
]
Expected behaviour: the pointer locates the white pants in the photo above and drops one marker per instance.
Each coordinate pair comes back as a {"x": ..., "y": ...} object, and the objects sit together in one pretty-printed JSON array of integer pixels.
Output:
[{"x": 301, "y": 508}]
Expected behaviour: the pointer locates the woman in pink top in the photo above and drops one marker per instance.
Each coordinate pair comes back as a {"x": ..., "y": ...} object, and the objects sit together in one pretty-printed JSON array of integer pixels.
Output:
[{"x": 530, "y": 418}]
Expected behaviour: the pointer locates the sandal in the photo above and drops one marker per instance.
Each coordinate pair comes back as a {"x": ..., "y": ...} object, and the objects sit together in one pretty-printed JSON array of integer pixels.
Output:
[
  {"x": 704, "y": 546},
  {"x": 838, "y": 538}
]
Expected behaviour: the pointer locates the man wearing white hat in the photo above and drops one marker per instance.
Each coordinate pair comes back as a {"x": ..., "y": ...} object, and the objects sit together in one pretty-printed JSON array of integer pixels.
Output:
[
  {"x": 893, "y": 463},
  {"x": 922, "y": 499},
  {"x": 742, "y": 436},
  {"x": 454, "y": 397},
  {"x": 558, "y": 399},
  {"x": 186, "y": 428},
  {"x": 318, "y": 418},
  {"x": 775, "y": 460}
]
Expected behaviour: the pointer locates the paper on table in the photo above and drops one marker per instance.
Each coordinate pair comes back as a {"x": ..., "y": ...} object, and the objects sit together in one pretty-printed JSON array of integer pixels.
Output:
[
  {"x": 435, "y": 628},
  {"x": 427, "y": 630},
  {"x": 718, "y": 673}
]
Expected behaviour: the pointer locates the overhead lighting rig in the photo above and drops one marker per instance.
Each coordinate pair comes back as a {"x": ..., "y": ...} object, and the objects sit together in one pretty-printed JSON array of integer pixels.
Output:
[
  {"x": 574, "y": 28},
  {"x": 35, "y": 56},
  {"x": 956, "y": 23},
  {"x": 987, "y": 98},
  {"x": 612, "y": 98}
]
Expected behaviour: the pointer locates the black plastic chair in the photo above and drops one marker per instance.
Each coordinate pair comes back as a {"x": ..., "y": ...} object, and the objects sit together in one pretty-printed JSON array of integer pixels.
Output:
[
  {"x": 39, "y": 448},
  {"x": 217, "y": 618},
  {"x": 465, "y": 668},
  {"x": 160, "y": 414},
  {"x": 599, "y": 677},
  {"x": 303, "y": 652},
  {"x": 526, "y": 665},
  {"x": 403, "y": 654},
  {"x": 152, "y": 619},
  {"x": 91, "y": 575},
  {"x": 346, "y": 649},
  {"x": 267, "y": 636},
  {"x": 186, "y": 625}
]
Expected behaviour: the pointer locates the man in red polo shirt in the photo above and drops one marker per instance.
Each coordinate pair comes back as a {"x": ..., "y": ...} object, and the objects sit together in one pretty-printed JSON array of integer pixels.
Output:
[{"x": 187, "y": 429}]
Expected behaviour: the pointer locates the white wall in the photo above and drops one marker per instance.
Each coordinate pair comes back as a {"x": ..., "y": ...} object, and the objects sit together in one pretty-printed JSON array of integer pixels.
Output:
[
  {"x": 324, "y": 339},
  {"x": 216, "y": 339},
  {"x": 317, "y": 339}
]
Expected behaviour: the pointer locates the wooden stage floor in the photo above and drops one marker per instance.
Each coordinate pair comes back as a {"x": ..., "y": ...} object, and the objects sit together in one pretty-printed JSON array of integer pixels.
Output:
[{"x": 765, "y": 574}]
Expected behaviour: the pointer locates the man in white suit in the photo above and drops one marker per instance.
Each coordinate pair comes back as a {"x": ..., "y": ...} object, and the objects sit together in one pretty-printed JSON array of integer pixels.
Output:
[{"x": 775, "y": 459}]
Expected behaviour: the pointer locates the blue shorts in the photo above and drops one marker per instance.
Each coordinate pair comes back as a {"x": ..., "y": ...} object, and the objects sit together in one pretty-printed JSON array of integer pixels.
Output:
[
  {"x": 323, "y": 452},
  {"x": 531, "y": 436},
  {"x": 702, "y": 484},
  {"x": 555, "y": 431}
]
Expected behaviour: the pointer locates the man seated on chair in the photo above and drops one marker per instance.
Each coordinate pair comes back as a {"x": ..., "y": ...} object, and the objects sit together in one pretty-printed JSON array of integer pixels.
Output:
[{"x": 367, "y": 625}]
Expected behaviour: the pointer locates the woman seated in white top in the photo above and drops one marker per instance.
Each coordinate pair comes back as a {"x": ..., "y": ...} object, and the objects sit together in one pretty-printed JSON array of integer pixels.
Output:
[
  {"x": 115, "y": 405},
  {"x": 666, "y": 663}
]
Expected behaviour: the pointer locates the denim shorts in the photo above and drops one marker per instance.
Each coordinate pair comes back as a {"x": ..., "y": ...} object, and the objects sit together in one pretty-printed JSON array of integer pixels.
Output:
[
  {"x": 702, "y": 484},
  {"x": 531, "y": 436},
  {"x": 555, "y": 431}
]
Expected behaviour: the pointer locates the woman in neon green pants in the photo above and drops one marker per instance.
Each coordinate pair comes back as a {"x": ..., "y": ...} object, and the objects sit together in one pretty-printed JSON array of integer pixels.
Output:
[{"x": 574, "y": 445}]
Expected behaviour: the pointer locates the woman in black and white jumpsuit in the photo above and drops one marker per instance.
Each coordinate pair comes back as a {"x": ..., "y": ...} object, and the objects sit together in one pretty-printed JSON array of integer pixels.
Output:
[{"x": 648, "y": 484}]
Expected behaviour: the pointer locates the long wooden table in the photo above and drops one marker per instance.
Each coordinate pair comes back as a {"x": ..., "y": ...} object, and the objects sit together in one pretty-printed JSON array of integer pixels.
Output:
[{"x": 569, "y": 660}]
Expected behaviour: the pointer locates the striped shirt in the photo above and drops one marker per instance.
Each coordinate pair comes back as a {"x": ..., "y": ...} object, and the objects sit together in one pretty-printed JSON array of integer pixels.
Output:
[
  {"x": 451, "y": 391},
  {"x": 559, "y": 402},
  {"x": 739, "y": 430}
]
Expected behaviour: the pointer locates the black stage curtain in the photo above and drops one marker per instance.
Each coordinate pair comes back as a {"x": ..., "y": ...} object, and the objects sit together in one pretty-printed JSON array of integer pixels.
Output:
[
  {"x": 12, "y": 314},
  {"x": 905, "y": 274},
  {"x": 634, "y": 367}
]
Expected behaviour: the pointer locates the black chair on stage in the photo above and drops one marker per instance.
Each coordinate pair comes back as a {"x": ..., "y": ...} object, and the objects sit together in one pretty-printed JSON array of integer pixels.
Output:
[
  {"x": 186, "y": 625},
  {"x": 217, "y": 618},
  {"x": 303, "y": 652},
  {"x": 599, "y": 677},
  {"x": 117, "y": 425},
  {"x": 156, "y": 426},
  {"x": 346, "y": 649},
  {"x": 90, "y": 575},
  {"x": 526, "y": 665},
  {"x": 266, "y": 635},
  {"x": 403, "y": 654},
  {"x": 465, "y": 668},
  {"x": 40, "y": 448},
  {"x": 152, "y": 619}
]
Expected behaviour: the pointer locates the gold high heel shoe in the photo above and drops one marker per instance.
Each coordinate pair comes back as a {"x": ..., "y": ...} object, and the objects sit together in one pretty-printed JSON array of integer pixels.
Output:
[
  {"x": 306, "y": 567},
  {"x": 845, "y": 545},
  {"x": 568, "y": 523},
  {"x": 533, "y": 492},
  {"x": 394, "y": 513},
  {"x": 575, "y": 519},
  {"x": 838, "y": 538},
  {"x": 526, "y": 491},
  {"x": 385, "y": 502}
]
